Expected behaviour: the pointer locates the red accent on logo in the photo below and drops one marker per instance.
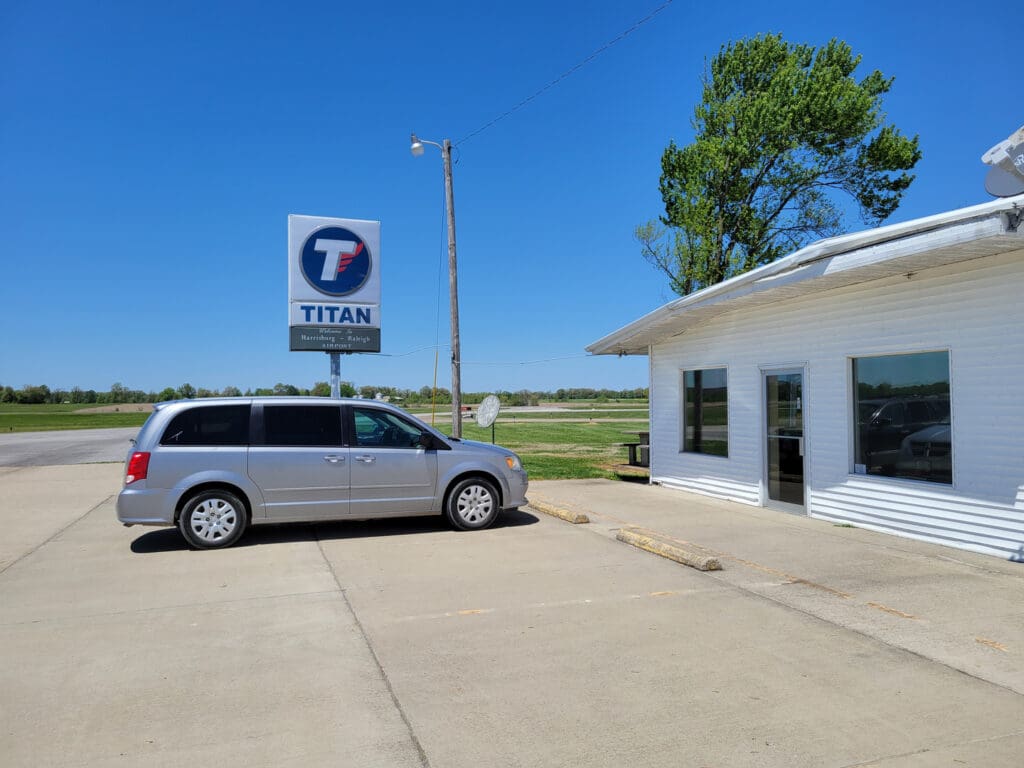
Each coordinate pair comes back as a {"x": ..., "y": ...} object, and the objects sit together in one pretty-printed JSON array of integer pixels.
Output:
[{"x": 348, "y": 258}]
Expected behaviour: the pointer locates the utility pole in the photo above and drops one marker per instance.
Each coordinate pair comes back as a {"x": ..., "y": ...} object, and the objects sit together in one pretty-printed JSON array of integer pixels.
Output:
[
  {"x": 453, "y": 293},
  {"x": 416, "y": 147}
]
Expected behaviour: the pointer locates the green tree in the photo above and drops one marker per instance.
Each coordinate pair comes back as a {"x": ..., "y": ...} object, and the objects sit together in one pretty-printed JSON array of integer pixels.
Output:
[
  {"x": 186, "y": 391},
  {"x": 118, "y": 393},
  {"x": 781, "y": 128},
  {"x": 168, "y": 393}
]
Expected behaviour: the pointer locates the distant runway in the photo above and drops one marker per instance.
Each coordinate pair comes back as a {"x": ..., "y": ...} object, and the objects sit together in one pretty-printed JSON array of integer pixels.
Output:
[{"x": 81, "y": 446}]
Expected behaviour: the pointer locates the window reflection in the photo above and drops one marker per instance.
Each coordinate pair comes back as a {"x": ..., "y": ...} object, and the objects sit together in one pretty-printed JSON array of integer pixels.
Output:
[
  {"x": 902, "y": 412},
  {"x": 705, "y": 411}
]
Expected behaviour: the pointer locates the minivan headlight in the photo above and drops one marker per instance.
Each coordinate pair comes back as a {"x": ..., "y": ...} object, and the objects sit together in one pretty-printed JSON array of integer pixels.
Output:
[{"x": 513, "y": 462}]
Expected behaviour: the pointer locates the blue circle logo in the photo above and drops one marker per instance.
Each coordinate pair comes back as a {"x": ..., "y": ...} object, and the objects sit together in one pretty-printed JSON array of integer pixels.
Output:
[{"x": 335, "y": 261}]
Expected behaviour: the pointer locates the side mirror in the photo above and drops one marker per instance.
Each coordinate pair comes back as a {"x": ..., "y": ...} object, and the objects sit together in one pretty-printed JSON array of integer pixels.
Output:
[{"x": 426, "y": 440}]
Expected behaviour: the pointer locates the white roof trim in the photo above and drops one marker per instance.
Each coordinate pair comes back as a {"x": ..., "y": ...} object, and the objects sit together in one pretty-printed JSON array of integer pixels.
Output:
[{"x": 847, "y": 254}]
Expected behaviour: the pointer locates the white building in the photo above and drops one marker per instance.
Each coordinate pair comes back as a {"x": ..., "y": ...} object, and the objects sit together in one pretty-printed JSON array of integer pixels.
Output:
[{"x": 875, "y": 379}]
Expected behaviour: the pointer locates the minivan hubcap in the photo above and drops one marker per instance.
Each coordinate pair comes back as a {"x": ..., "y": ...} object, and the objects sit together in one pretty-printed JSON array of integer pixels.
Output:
[
  {"x": 213, "y": 519},
  {"x": 474, "y": 504}
]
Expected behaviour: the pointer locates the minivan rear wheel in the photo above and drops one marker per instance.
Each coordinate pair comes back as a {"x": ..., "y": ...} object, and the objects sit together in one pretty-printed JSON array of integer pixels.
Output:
[
  {"x": 472, "y": 504},
  {"x": 213, "y": 519}
]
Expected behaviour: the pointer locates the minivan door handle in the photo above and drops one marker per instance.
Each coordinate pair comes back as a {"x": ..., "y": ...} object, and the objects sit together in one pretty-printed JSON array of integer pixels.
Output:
[
  {"x": 366, "y": 459},
  {"x": 334, "y": 458}
]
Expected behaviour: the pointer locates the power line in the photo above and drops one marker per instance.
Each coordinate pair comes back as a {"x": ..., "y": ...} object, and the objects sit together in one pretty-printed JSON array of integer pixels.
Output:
[
  {"x": 568, "y": 72},
  {"x": 487, "y": 362}
]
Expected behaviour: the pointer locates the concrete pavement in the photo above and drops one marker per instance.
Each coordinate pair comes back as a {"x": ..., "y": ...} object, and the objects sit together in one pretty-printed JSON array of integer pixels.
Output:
[
  {"x": 535, "y": 643},
  {"x": 954, "y": 607}
]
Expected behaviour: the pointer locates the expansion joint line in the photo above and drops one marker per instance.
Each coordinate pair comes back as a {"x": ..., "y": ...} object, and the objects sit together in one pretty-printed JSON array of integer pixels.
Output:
[
  {"x": 42, "y": 544},
  {"x": 424, "y": 760}
]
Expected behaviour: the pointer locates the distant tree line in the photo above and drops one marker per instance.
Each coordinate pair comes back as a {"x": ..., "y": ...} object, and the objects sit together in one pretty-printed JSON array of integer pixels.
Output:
[{"x": 118, "y": 393}]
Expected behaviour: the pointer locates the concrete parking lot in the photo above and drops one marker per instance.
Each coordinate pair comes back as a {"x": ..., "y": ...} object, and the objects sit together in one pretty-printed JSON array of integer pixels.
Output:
[{"x": 535, "y": 643}]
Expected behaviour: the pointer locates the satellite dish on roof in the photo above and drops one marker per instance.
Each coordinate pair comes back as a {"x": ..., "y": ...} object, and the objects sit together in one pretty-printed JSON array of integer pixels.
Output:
[
  {"x": 1006, "y": 177},
  {"x": 488, "y": 411}
]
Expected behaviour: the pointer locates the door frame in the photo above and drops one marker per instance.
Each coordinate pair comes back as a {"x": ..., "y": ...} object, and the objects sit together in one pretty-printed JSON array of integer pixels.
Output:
[{"x": 776, "y": 370}]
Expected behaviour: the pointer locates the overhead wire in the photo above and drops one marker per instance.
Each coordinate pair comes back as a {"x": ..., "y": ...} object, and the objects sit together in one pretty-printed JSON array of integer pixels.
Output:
[
  {"x": 437, "y": 322},
  {"x": 567, "y": 73}
]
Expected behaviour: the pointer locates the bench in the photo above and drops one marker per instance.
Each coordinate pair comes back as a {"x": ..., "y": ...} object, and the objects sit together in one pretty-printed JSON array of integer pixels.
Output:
[{"x": 644, "y": 460}]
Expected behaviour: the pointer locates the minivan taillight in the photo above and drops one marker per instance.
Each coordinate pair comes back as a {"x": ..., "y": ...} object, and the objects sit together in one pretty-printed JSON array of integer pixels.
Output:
[{"x": 138, "y": 467}]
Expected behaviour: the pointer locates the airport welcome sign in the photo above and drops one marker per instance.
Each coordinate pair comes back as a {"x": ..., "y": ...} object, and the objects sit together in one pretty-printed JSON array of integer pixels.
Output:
[{"x": 333, "y": 284}]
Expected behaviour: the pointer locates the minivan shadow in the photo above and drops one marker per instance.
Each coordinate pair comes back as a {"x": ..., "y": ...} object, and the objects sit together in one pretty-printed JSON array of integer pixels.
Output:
[{"x": 170, "y": 540}]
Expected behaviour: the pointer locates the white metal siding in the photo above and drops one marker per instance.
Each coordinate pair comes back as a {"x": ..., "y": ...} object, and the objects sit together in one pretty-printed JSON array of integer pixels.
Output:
[{"x": 972, "y": 309}]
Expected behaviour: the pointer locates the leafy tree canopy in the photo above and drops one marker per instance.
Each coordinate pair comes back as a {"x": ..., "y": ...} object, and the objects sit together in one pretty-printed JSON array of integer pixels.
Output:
[{"x": 780, "y": 129}]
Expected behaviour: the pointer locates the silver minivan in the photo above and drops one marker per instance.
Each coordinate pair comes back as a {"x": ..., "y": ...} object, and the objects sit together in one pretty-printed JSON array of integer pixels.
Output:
[{"x": 212, "y": 467}]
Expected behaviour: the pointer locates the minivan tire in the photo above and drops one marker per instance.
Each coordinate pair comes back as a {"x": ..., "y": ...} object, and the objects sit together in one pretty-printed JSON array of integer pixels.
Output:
[
  {"x": 213, "y": 519},
  {"x": 472, "y": 504}
]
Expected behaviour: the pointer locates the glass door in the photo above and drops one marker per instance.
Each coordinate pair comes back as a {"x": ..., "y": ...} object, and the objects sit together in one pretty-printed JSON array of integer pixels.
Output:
[{"x": 784, "y": 452}]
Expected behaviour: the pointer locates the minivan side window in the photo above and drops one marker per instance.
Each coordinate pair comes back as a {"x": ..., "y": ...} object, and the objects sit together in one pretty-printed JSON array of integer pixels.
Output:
[
  {"x": 209, "y": 425},
  {"x": 314, "y": 425},
  {"x": 383, "y": 429}
]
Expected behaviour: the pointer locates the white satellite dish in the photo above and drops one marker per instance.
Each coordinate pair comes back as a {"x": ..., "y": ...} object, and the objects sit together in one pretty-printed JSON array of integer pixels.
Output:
[
  {"x": 1006, "y": 177},
  {"x": 488, "y": 411}
]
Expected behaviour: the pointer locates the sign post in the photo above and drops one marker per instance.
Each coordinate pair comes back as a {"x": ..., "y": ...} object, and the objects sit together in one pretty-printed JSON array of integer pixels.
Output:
[{"x": 333, "y": 288}]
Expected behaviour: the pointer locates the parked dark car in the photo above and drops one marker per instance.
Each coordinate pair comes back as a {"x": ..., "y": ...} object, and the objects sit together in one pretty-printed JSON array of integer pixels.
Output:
[
  {"x": 884, "y": 423},
  {"x": 927, "y": 454}
]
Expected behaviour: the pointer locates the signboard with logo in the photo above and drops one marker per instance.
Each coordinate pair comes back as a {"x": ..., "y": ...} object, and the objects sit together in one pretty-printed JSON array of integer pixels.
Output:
[{"x": 333, "y": 284}]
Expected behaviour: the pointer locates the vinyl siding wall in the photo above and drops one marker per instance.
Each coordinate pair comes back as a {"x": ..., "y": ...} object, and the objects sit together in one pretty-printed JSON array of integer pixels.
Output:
[{"x": 974, "y": 310}]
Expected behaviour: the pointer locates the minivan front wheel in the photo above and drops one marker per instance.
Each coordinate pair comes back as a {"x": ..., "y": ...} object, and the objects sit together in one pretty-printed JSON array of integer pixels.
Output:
[
  {"x": 472, "y": 504},
  {"x": 212, "y": 519}
]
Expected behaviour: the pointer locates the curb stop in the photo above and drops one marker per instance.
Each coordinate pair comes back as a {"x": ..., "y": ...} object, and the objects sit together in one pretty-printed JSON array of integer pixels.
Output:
[{"x": 666, "y": 547}]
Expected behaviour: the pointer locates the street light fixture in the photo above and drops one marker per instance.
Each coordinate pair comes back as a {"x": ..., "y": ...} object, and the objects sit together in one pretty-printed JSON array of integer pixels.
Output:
[{"x": 416, "y": 147}]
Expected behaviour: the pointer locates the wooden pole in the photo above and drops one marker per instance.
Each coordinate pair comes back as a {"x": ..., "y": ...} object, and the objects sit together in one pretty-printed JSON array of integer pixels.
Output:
[{"x": 453, "y": 292}]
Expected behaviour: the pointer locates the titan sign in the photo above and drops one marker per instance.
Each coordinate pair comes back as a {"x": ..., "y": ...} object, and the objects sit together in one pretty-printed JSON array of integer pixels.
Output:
[{"x": 333, "y": 284}]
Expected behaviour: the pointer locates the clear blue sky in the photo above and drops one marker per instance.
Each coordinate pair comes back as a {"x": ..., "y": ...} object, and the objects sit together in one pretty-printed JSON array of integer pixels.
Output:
[{"x": 150, "y": 154}]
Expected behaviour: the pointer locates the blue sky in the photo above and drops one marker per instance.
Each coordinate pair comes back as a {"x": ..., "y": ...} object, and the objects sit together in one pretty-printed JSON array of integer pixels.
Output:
[{"x": 150, "y": 155}]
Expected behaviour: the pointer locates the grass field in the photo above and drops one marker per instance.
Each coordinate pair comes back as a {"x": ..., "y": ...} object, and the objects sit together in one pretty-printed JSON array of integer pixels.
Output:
[
  {"x": 561, "y": 450},
  {"x": 577, "y": 443},
  {"x": 42, "y": 418}
]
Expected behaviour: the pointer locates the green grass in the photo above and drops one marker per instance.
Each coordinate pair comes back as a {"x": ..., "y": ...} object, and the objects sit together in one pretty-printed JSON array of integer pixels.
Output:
[
  {"x": 514, "y": 418},
  {"x": 562, "y": 450},
  {"x": 42, "y": 418}
]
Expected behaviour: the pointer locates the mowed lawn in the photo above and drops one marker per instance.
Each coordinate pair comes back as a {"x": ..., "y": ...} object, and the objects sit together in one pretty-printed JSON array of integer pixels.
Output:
[
  {"x": 43, "y": 418},
  {"x": 583, "y": 441}
]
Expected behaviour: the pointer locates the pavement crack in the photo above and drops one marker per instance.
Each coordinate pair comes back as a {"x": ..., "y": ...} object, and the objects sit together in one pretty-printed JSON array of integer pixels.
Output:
[
  {"x": 421, "y": 753},
  {"x": 42, "y": 544},
  {"x": 877, "y": 762}
]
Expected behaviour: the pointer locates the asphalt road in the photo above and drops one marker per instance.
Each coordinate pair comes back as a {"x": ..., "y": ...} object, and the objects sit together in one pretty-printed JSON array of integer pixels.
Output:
[
  {"x": 403, "y": 643},
  {"x": 64, "y": 447}
]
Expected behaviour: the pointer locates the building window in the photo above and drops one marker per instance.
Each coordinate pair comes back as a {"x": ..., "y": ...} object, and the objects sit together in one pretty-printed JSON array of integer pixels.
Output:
[
  {"x": 901, "y": 409},
  {"x": 706, "y": 412}
]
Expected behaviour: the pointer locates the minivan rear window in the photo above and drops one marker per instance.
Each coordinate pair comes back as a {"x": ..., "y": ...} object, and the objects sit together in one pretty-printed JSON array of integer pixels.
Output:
[
  {"x": 209, "y": 425},
  {"x": 315, "y": 425}
]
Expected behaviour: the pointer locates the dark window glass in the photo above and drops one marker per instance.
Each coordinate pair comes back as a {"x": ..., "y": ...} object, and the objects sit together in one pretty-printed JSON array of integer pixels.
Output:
[
  {"x": 316, "y": 425},
  {"x": 209, "y": 425},
  {"x": 901, "y": 406},
  {"x": 706, "y": 412},
  {"x": 384, "y": 429}
]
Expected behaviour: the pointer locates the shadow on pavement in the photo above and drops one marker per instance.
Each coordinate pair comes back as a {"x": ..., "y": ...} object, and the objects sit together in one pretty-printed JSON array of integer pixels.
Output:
[{"x": 170, "y": 540}]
